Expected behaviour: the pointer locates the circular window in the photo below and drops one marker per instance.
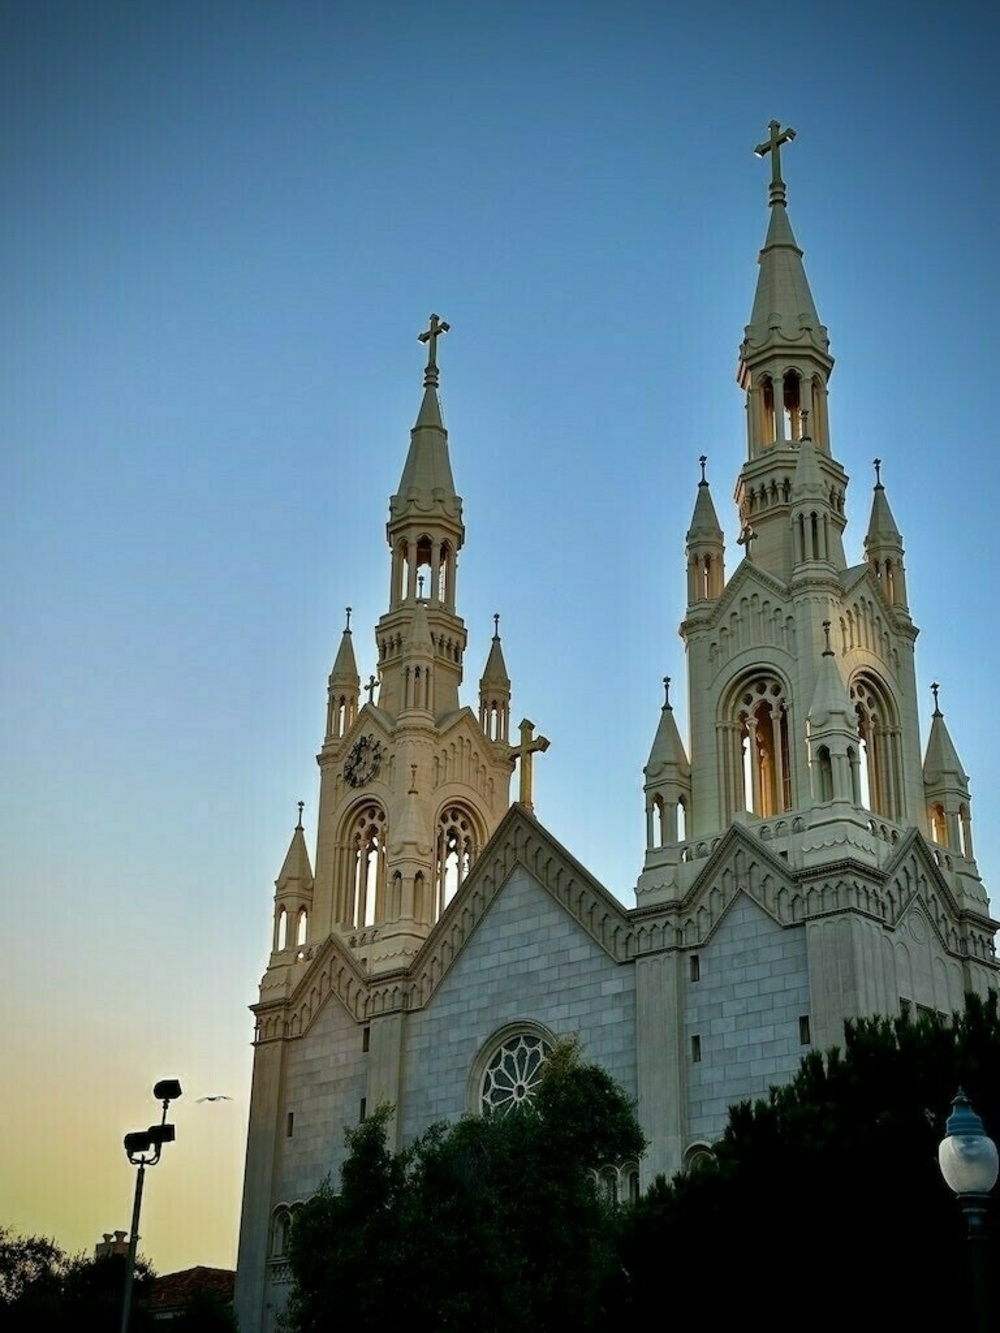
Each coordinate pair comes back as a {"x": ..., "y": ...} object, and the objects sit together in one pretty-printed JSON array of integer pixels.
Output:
[{"x": 513, "y": 1072}]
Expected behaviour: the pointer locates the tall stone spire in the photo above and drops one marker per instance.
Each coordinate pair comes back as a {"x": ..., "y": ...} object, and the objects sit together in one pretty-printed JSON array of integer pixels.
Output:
[
  {"x": 425, "y": 533},
  {"x": 784, "y": 367}
]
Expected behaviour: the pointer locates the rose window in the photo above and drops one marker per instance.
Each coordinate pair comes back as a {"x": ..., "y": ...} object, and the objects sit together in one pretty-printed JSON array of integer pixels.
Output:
[{"x": 514, "y": 1072}]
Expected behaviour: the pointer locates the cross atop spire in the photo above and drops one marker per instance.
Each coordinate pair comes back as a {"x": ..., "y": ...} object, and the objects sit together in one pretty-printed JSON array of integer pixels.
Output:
[
  {"x": 430, "y": 336},
  {"x": 302, "y": 806},
  {"x": 772, "y": 144},
  {"x": 937, "y": 707}
]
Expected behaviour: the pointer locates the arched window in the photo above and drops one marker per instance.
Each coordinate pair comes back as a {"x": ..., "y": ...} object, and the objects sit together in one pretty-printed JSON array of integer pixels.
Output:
[
  {"x": 879, "y": 773},
  {"x": 792, "y": 406},
  {"x": 939, "y": 826},
  {"x": 281, "y": 930},
  {"x": 763, "y": 776},
  {"x": 824, "y": 774},
  {"x": 301, "y": 926},
  {"x": 281, "y": 1230},
  {"x": 367, "y": 852},
  {"x": 458, "y": 846}
]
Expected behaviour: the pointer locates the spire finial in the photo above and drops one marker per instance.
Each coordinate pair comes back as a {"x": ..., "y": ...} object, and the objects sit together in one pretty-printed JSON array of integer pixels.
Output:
[
  {"x": 666, "y": 691},
  {"x": 347, "y": 627},
  {"x": 430, "y": 337},
  {"x": 496, "y": 624},
  {"x": 934, "y": 690},
  {"x": 827, "y": 651},
  {"x": 804, "y": 414},
  {"x": 370, "y": 687},
  {"x": 413, "y": 780},
  {"x": 420, "y": 585},
  {"x": 703, "y": 460},
  {"x": 877, "y": 464},
  {"x": 298, "y": 826},
  {"x": 772, "y": 144}
]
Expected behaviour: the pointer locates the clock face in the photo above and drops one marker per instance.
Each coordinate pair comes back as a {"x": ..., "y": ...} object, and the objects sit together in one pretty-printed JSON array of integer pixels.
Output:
[{"x": 362, "y": 764}]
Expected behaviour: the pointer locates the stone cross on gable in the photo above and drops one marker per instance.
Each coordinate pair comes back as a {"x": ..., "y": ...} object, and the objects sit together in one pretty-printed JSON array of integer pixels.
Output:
[
  {"x": 370, "y": 687},
  {"x": 430, "y": 336},
  {"x": 530, "y": 745}
]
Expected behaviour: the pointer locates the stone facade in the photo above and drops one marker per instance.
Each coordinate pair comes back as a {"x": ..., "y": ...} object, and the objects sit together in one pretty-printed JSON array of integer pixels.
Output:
[{"x": 802, "y": 865}]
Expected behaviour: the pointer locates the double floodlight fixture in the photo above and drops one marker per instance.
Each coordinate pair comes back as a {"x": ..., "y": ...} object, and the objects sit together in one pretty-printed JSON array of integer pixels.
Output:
[{"x": 150, "y": 1141}]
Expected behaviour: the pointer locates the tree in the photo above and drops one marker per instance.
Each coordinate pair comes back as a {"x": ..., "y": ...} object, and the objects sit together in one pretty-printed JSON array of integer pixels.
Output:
[
  {"x": 493, "y": 1223},
  {"x": 43, "y": 1290},
  {"x": 825, "y": 1197}
]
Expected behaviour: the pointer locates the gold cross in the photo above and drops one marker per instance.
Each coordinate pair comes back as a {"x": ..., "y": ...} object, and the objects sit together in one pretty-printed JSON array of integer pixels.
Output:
[
  {"x": 772, "y": 145},
  {"x": 530, "y": 745},
  {"x": 430, "y": 336}
]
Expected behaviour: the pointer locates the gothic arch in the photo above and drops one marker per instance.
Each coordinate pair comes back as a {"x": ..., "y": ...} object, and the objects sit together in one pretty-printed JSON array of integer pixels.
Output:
[
  {"x": 880, "y": 752},
  {"x": 458, "y": 840},
  {"x": 755, "y": 727},
  {"x": 362, "y": 846}
]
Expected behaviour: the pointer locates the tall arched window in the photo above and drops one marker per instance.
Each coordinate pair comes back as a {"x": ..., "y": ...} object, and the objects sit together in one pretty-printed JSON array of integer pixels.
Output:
[
  {"x": 880, "y": 774},
  {"x": 458, "y": 846},
  {"x": 763, "y": 776},
  {"x": 367, "y": 849}
]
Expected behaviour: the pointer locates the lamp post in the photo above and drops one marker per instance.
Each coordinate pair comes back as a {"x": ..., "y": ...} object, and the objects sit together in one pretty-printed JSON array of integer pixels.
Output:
[
  {"x": 969, "y": 1163},
  {"x": 143, "y": 1149}
]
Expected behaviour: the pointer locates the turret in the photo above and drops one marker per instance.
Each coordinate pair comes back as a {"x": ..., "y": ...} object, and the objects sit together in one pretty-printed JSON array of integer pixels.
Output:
[
  {"x": 832, "y": 727},
  {"x": 668, "y": 781},
  {"x": 494, "y": 692},
  {"x": 884, "y": 546},
  {"x": 343, "y": 688},
  {"x": 705, "y": 547},
  {"x": 946, "y": 788},
  {"x": 293, "y": 894}
]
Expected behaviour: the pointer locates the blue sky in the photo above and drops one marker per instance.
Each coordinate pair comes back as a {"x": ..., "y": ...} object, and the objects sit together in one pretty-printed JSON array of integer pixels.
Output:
[{"x": 225, "y": 225}]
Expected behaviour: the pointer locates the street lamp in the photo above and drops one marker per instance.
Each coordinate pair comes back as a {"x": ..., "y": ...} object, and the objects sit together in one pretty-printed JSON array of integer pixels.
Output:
[
  {"x": 969, "y": 1163},
  {"x": 143, "y": 1148}
]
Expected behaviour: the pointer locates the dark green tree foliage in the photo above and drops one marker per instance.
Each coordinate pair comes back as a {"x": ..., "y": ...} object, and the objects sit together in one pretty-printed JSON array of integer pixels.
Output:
[
  {"x": 825, "y": 1202},
  {"x": 492, "y": 1224},
  {"x": 43, "y": 1290}
]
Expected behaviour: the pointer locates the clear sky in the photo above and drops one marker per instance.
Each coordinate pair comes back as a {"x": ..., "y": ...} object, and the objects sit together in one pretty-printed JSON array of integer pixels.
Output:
[{"x": 224, "y": 225}]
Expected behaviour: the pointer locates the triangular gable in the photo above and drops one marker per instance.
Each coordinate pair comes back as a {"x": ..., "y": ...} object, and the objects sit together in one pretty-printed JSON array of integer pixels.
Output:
[
  {"x": 519, "y": 840},
  {"x": 747, "y": 575}
]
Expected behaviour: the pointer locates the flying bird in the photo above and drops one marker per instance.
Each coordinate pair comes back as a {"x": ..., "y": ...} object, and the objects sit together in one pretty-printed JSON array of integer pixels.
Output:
[{"x": 219, "y": 1097}]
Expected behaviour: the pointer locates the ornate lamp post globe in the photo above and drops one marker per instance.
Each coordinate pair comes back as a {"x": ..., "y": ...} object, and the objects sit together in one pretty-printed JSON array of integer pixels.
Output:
[{"x": 969, "y": 1163}]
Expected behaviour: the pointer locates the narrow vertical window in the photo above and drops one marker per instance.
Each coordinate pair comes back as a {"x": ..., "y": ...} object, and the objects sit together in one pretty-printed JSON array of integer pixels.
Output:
[
  {"x": 366, "y": 1039},
  {"x": 805, "y": 1037},
  {"x": 290, "y": 1125},
  {"x": 363, "y": 1111},
  {"x": 696, "y": 1049},
  {"x": 695, "y": 966}
]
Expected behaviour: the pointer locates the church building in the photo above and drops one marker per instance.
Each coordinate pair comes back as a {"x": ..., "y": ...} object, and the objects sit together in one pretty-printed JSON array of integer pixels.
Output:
[{"x": 806, "y": 861}]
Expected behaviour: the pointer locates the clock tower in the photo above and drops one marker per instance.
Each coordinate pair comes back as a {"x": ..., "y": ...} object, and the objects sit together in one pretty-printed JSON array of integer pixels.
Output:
[{"x": 412, "y": 783}]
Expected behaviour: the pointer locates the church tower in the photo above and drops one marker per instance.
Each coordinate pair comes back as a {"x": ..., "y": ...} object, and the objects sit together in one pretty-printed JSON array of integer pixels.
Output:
[
  {"x": 802, "y": 692},
  {"x": 411, "y": 784}
]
